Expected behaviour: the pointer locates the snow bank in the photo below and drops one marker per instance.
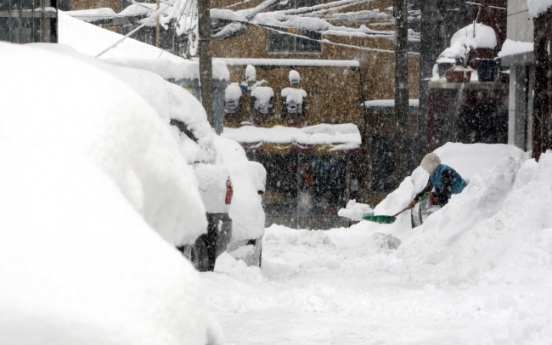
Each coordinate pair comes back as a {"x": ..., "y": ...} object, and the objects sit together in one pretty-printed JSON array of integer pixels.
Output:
[
  {"x": 478, "y": 271},
  {"x": 355, "y": 211},
  {"x": 91, "y": 175},
  {"x": 496, "y": 236},
  {"x": 468, "y": 160},
  {"x": 538, "y": 7}
]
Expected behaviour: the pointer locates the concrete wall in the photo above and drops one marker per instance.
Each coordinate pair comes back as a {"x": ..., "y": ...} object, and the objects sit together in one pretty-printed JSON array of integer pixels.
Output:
[
  {"x": 520, "y": 25},
  {"x": 520, "y": 28}
]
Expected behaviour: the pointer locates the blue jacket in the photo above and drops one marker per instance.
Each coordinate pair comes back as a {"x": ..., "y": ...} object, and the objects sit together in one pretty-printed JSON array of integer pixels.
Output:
[
  {"x": 446, "y": 182},
  {"x": 458, "y": 183}
]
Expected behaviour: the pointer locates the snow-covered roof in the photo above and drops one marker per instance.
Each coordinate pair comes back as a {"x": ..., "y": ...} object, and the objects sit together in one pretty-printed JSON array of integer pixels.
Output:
[
  {"x": 538, "y": 7},
  {"x": 342, "y": 136},
  {"x": 91, "y": 15},
  {"x": 92, "y": 40},
  {"x": 290, "y": 62}
]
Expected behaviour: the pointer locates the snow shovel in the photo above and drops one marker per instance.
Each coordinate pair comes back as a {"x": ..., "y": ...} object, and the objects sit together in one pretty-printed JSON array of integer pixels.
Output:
[
  {"x": 390, "y": 219},
  {"x": 384, "y": 219}
]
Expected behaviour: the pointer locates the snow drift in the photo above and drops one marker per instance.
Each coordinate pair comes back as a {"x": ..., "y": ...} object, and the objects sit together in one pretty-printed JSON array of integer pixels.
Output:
[{"x": 91, "y": 177}]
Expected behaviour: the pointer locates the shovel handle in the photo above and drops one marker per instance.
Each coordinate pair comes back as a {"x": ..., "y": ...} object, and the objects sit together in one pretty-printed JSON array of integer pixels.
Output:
[
  {"x": 396, "y": 214},
  {"x": 406, "y": 208}
]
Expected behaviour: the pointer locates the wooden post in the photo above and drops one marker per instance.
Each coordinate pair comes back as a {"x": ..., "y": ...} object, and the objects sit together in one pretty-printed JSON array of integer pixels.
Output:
[
  {"x": 157, "y": 28},
  {"x": 402, "y": 119},
  {"x": 543, "y": 99},
  {"x": 205, "y": 59}
]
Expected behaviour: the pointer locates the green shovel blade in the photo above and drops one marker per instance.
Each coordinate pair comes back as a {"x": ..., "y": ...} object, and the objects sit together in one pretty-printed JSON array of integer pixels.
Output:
[{"x": 380, "y": 219}]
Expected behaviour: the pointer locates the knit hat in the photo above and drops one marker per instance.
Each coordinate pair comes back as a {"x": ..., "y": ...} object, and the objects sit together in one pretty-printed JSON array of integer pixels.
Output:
[{"x": 430, "y": 162}]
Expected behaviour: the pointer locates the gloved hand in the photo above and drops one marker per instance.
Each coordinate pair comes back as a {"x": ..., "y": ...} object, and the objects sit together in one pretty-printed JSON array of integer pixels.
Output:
[{"x": 411, "y": 205}]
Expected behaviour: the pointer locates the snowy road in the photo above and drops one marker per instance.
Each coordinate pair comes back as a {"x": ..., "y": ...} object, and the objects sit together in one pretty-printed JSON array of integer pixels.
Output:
[{"x": 341, "y": 287}]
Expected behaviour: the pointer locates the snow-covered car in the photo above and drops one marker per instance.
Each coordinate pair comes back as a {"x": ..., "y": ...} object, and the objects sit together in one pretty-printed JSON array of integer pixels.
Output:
[
  {"x": 95, "y": 196},
  {"x": 216, "y": 190},
  {"x": 189, "y": 123},
  {"x": 246, "y": 210}
]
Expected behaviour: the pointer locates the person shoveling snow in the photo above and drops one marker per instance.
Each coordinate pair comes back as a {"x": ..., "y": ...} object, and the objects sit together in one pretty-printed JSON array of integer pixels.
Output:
[{"x": 442, "y": 178}]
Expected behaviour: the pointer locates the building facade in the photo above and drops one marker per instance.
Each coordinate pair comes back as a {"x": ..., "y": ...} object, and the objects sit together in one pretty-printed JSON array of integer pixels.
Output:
[
  {"x": 542, "y": 122},
  {"x": 338, "y": 77}
]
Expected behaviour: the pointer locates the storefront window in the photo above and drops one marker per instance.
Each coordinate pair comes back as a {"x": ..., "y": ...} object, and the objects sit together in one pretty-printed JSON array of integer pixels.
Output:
[
  {"x": 281, "y": 182},
  {"x": 383, "y": 163},
  {"x": 307, "y": 184}
]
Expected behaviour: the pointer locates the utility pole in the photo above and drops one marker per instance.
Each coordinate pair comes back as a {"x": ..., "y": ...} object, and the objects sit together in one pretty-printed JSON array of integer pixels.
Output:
[
  {"x": 432, "y": 43},
  {"x": 157, "y": 27},
  {"x": 205, "y": 58},
  {"x": 402, "y": 117}
]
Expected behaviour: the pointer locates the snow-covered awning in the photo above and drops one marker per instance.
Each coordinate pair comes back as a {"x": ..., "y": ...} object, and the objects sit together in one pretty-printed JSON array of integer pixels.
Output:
[
  {"x": 390, "y": 103},
  {"x": 92, "y": 40},
  {"x": 387, "y": 106},
  {"x": 318, "y": 139},
  {"x": 290, "y": 62}
]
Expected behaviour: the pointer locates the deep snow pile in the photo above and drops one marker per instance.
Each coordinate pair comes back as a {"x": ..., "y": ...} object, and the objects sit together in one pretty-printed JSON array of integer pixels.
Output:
[
  {"x": 478, "y": 271},
  {"x": 90, "y": 173},
  {"x": 496, "y": 234}
]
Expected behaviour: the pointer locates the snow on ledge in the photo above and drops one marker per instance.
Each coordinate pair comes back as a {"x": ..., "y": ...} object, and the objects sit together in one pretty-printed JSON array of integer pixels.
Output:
[
  {"x": 91, "y": 15},
  {"x": 515, "y": 47},
  {"x": 290, "y": 62},
  {"x": 346, "y": 134},
  {"x": 390, "y": 103}
]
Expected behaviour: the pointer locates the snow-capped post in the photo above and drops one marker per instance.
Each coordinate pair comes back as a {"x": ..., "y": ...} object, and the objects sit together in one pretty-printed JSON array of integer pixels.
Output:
[
  {"x": 205, "y": 59},
  {"x": 402, "y": 119}
]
